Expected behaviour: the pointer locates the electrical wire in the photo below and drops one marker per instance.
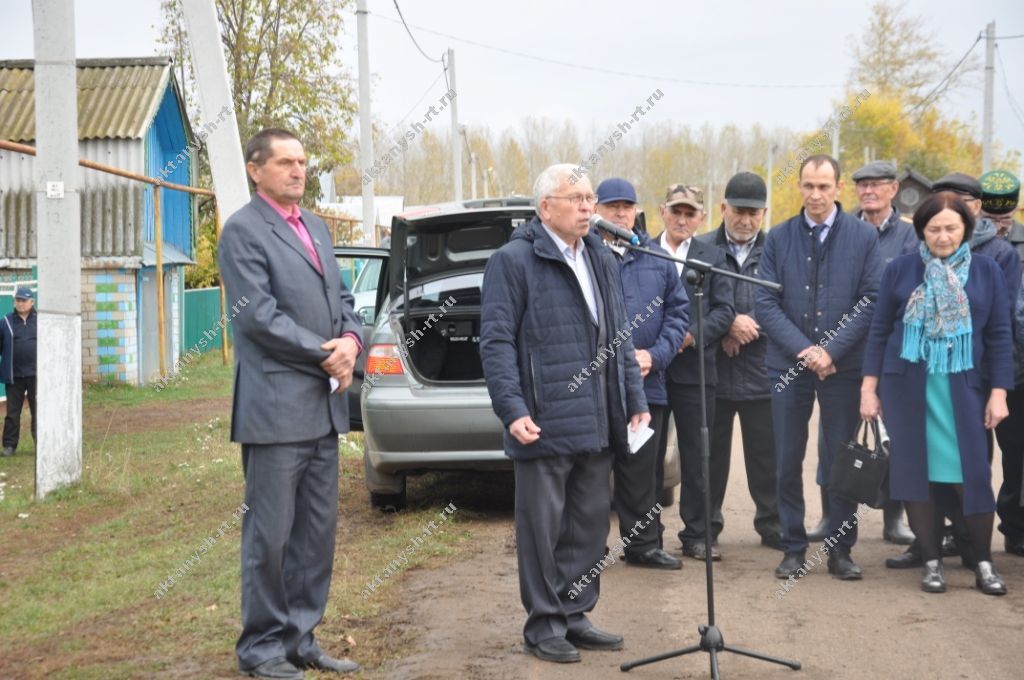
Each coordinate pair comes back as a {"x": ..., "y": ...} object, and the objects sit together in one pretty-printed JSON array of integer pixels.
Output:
[
  {"x": 1014, "y": 106},
  {"x": 947, "y": 77},
  {"x": 595, "y": 69},
  {"x": 413, "y": 38}
]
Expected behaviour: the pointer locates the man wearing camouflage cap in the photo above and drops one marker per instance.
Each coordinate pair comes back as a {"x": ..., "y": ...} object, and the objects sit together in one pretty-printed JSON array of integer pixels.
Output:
[{"x": 682, "y": 213}]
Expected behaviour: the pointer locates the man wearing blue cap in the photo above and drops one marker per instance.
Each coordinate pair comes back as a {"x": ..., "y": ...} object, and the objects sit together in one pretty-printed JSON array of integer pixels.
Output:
[
  {"x": 18, "y": 365},
  {"x": 639, "y": 476}
]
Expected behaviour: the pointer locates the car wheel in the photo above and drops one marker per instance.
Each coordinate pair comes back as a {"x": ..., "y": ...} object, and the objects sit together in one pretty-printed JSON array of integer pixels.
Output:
[{"x": 388, "y": 502}]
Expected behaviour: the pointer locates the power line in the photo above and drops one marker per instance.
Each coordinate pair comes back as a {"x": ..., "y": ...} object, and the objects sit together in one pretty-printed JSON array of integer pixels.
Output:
[
  {"x": 413, "y": 38},
  {"x": 409, "y": 113},
  {"x": 595, "y": 69},
  {"x": 1014, "y": 106},
  {"x": 947, "y": 77},
  {"x": 1009, "y": 37}
]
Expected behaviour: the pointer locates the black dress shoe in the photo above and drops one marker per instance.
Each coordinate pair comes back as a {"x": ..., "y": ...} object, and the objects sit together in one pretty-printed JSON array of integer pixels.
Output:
[
  {"x": 655, "y": 558},
  {"x": 896, "y": 532},
  {"x": 331, "y": 665},
  {"x": 1014, "y": 547},
  {"x": 790, "y": 565},
  {"x": 907, "y": 559},
  {"x": 988, "y": 580},
  {"x": 819, "y": 532},
  {"x": 593, "y": 638},
  {"x": 933, "y": 579},
  {"x": 697, "y": 551},
  {"x": 279, "y": 668},
  {"x": 842, "y": 566},
  {"x": 773, "y": 541},
  {"x": 558, "y": 650}
]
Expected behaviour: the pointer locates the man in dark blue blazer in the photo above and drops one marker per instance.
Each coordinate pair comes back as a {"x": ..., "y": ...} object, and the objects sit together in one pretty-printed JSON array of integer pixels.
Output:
[
  {"x": 297, "y": 334},
  {"x": 829, "y": 266}
]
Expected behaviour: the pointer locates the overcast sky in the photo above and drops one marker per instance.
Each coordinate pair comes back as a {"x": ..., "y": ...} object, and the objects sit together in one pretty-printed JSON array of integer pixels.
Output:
[{"x": 780, "y": 44}]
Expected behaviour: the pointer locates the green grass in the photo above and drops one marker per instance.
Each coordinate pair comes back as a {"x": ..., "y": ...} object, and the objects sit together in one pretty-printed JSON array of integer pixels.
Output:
[{"x": 78, "y": 573}]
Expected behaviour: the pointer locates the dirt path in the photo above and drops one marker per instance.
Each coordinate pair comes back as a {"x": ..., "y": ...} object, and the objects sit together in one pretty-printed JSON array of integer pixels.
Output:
[{"x": 467, "y": 618}]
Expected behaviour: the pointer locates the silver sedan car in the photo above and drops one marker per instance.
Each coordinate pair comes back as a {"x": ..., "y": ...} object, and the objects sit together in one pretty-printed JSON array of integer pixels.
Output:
[{"x": 419, "y": 394}]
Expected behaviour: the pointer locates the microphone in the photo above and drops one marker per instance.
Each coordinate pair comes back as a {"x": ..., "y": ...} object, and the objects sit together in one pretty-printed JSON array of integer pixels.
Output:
[{"x": 598, "y": 222}]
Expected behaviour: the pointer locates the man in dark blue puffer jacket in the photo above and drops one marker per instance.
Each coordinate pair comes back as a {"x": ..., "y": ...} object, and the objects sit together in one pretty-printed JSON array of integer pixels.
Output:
[
  {"x": 563, "y": 379},
  {"x": 646, "y": 279},
  {"x": 829, "y": 266}
]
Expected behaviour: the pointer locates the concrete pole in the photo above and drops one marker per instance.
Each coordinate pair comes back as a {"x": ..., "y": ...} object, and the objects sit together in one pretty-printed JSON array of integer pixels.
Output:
[
  {"x": 456, "y": 140},
  {"x": 211, "y": 71},
  {"x": 990, "y": 75},
  {"x": 472, "y": 174},
  {"x": 365, "y": 123},
  {"x": 58, "y": 248}
]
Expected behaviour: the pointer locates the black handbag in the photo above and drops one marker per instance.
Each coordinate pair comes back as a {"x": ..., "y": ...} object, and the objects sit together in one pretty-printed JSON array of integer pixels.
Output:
[{"x": 861, "y": 474}]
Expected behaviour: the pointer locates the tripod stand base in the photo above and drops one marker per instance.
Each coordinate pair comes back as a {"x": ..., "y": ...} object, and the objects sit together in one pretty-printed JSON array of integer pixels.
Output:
[{"x": 711, "y": 641}]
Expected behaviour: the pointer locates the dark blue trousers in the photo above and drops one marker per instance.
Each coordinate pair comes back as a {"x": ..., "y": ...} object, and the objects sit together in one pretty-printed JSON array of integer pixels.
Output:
[{"x": 839, "y": 403}]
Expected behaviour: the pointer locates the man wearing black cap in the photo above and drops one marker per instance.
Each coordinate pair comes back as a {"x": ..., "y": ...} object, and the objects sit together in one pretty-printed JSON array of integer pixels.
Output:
[
  {"x": 743, "y": 385},
  {"x": 1000, "y": 193},
  {"x": 682, "y": 213},
  {"x": 18, "y": 365},
  {"x": 639, "y": 476}
]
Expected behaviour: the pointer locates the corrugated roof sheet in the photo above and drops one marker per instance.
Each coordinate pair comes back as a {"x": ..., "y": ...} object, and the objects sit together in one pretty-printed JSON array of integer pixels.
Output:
[{"x": 117, "y": 98}]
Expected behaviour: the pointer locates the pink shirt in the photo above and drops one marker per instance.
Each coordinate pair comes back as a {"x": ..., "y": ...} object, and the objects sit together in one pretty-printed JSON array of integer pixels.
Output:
[{"x": 294, "y": 220}]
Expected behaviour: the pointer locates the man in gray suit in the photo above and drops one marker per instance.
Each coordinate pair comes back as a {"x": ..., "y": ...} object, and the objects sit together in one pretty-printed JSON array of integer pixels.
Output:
[{"x": 295, "y": 346}]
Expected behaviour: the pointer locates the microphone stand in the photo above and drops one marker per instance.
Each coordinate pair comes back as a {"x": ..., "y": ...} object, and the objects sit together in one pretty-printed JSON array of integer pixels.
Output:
[{"x": 711, "y": 640}]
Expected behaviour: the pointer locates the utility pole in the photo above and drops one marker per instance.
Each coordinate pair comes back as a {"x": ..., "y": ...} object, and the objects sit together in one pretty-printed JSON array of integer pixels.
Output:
[
  {"x": 365, "y": 123},
  {"x": 58, "y": 248},
  {"x": 990, "y": 75},
  {"x": 456, "y": 140}
]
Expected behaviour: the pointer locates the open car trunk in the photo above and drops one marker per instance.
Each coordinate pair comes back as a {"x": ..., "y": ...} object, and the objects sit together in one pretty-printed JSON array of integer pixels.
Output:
[{"x": 445, "y": 350}]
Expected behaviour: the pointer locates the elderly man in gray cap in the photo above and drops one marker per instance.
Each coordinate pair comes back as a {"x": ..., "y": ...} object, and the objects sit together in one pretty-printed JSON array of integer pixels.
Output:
[{"x": 876, "y": 187}]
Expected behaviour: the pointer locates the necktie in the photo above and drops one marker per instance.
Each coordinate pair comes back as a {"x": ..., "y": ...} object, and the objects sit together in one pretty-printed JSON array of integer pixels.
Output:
[
  {"x": 816, "y": 236},
  {"x": 307, "y": 241}
]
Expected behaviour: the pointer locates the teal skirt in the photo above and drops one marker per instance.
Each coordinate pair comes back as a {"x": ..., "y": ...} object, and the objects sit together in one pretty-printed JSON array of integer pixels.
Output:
[{"x": 940, "y": 431}]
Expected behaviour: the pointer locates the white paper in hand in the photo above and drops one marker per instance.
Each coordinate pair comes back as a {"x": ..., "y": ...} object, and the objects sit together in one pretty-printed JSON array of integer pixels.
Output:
[
  {"x": 333, "y": 382},
  {"x": 639, "y": 438}
]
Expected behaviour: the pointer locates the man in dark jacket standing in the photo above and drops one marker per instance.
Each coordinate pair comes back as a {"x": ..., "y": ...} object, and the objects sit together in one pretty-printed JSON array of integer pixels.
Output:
[
  {"x": 563, "y": 379},
  {"x": 743, "y": 385},
  {"x": 639, "y": 477},
  {"x": 1000, "y": 196},
  {"x": 683, "y": 212},
  {"x": 829, "y": 268},
  {"x": 18, "y": 365}
]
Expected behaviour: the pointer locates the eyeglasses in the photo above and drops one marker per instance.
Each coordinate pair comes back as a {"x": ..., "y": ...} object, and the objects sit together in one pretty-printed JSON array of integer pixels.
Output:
[
  {"x": 577, "y": 199},
  {"x": 872, "y": 185}
]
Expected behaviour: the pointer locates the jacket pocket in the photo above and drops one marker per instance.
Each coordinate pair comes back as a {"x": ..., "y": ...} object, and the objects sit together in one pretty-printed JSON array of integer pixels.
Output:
[{"x": 534, "y": 387}]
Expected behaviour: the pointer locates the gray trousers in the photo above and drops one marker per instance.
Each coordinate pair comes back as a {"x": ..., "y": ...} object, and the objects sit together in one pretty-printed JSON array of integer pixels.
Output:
[
  {"x": 562, "y": 524},
  {"x": 287, "y": 548}
]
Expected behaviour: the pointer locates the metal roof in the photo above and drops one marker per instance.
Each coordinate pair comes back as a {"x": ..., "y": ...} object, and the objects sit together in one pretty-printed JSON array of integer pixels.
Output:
[{"x": 117, "y": 98}]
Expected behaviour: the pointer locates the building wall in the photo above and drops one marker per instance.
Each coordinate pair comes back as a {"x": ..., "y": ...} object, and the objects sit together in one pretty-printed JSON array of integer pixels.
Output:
[{"x": 109, "y": 322}]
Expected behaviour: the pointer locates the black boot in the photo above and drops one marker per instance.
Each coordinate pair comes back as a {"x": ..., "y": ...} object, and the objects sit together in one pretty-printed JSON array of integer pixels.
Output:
[
  {"x": 895, "y": 530},
  {"x": 819, "y": 532}
]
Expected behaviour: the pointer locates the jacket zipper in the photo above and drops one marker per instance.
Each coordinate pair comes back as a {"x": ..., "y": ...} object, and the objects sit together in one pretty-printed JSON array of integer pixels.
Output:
[{"x": 533, "y": 386}]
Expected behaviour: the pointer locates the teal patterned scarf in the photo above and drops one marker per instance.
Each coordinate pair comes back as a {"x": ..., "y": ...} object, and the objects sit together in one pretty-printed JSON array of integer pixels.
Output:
[{"x": 937, "y": 322}]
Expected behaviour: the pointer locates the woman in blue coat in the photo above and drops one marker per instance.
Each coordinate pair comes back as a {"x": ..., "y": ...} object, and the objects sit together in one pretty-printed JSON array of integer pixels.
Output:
[{"x": 939, "y": 353}]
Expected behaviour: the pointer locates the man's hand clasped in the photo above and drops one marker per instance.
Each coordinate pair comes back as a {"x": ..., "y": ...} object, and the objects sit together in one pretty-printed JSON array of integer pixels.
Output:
[{"x": 342, "y": 361}]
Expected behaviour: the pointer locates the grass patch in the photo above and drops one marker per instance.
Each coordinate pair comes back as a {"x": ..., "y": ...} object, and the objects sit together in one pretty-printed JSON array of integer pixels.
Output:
[{"x": 78, "y": 571}]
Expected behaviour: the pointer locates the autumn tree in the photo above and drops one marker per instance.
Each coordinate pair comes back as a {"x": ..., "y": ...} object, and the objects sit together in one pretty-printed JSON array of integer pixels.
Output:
[{"x": 284, "y": 65}]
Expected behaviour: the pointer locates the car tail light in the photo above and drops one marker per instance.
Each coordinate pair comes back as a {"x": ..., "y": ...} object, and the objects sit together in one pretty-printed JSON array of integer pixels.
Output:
[{"x": 384, "y": 360}]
